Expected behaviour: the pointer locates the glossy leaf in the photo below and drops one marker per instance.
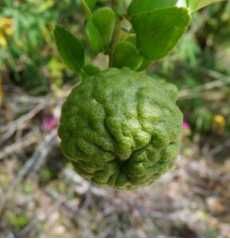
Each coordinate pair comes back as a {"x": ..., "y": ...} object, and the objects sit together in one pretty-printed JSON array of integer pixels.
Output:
[
  {"x": 100, "y": 28},
  {"x": 143, "y": 6},
  {"x": 70, "y": 48},
  {"x": 126, "y": 55},
  {"x": 195, "y": 5},
  {"x": 159, "y": 31}
]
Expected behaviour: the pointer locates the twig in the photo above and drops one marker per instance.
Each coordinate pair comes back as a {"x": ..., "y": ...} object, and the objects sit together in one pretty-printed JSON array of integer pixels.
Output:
[
  {"x": 24, "y": 118},
  {"x": 25, "y": 142},
  {"x": 81, "y": 185},
  {"x": 220, "y": 148},
  {"x": 221, "y": 80},
  {"x": 43, "y": 150},
  {"x": 1, "y": 92},
  {"x": 62, "y": 202},
  {"x": 26, "y": 99},
  {"x": 18, "y": 123},
  {"x": 32, "y": 165}
]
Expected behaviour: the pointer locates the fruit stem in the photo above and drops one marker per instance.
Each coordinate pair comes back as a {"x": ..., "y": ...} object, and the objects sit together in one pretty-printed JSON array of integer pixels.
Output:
[{"x": 113, "y": 3}]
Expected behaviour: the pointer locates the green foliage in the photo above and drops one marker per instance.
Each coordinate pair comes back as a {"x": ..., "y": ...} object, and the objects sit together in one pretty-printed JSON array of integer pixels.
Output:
[
  {"x": 32, "y": 80},
  {"x": 100, "y": 28},
  {"x": 71, "y": 49},
  {"x": 195, "y": 5},
  {"x": 200, "y": 58},
  {"x": 17, "y": 221},
  {"x": 31, "y": 45},
  {"x": 90, "y": 3},
  {"x": 125, "y": 54},
  {"x": 35, "y": 18},
  {"x": 159, "y": 31},
  {"x": 202, "y": 120},
  {"x": 144, "y": 6}
]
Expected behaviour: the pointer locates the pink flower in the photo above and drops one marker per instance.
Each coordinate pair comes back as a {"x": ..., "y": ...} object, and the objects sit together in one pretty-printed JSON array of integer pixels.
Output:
[
  {"x": 49, "y": 122},
  {"x": 186, "y": 125}
]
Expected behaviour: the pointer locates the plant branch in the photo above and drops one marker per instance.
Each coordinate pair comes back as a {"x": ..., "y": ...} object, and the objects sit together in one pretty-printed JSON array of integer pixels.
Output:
[{"x": 113, "y": 3}]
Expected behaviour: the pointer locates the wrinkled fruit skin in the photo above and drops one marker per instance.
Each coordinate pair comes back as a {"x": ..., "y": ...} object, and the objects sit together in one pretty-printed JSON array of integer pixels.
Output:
[{"x": 121, "y": 128}]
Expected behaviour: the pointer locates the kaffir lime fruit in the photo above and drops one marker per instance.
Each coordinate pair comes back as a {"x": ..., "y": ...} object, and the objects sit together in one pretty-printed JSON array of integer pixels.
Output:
[{"x": 121, "y": 128}]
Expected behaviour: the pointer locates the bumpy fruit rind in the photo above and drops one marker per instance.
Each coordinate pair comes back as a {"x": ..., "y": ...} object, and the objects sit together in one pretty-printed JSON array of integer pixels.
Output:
[{"x": 121, "y": 128}]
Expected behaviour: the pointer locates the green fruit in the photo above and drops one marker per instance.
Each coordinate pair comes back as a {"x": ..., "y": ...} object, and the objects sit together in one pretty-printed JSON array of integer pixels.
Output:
[{"x": 121, "y": 128}]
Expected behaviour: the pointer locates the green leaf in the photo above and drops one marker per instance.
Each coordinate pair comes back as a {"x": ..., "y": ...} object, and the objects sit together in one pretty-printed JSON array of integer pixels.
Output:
[
  {"x": 88, "y": 6},
  {"x": 159, "y": 31},
  {"x": 94, "y": 37},
  {"x": 70, "y": 48},
  {"x": 100, "y": 28},
  {"x": 144, "y": 6},
  {"x": 91, "y": 3},
  {"x": 125, "y": 54},
  {"x": 195, "y": 5}
]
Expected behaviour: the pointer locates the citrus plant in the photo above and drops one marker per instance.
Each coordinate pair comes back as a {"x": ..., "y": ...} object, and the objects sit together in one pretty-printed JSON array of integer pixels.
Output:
[{"x": 121, "y": 127}]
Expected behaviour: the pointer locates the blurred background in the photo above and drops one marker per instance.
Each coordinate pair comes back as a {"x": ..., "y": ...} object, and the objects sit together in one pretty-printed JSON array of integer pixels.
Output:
[{"x": 41, "y": 195}]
